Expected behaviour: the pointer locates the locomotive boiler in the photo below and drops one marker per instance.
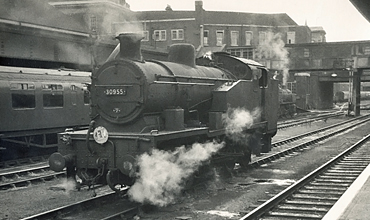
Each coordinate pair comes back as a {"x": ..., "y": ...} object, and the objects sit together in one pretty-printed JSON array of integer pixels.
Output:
[{"x": 139, "y": 105}]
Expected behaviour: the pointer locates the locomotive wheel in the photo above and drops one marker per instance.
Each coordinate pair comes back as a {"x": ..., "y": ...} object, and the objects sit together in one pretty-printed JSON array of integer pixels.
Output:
[{"x": 117, "y": 181}]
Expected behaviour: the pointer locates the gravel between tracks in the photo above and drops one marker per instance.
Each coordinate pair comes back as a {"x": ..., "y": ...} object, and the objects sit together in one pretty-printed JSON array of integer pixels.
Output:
[{"x": 220, "y": 199}]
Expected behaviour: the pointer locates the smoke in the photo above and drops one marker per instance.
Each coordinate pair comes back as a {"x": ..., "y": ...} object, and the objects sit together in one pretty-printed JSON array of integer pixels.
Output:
[
  {"x": 66, "y": 185},
  {"x": 237, "y": 119},
  {"x": 163, "y": 174},
  {"x": 274, "y": 47}
]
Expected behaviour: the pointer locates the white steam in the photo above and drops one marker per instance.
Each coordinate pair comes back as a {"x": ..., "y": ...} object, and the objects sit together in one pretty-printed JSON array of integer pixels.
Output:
[
  {"x": 237, "y": 119},
  {"x": 163, "y": 174},
  {"x": 274, "y": 48}
]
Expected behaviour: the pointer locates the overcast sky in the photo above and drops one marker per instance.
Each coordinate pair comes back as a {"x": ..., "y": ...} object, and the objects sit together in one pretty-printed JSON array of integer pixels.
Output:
[{"x": 339, "y": 18}]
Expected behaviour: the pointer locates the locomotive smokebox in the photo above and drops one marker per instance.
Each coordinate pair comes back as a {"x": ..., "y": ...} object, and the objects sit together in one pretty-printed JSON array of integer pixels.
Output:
[
  {"x": 182, "y": 53},
  {"x": 130, "y": 44}
]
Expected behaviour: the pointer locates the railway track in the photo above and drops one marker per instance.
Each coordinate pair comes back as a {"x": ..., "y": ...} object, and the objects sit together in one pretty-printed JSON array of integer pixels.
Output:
[
  {"x": 308, "y": 119},
  {"x": 302, "y": 142},
  {"x": 23, "y": 161},
  {"x": 299, "y": 142},
  {"x": 312, "y": 196},
  {"x": 22, "y": 176},
  {"x": 105, "y": 207}
]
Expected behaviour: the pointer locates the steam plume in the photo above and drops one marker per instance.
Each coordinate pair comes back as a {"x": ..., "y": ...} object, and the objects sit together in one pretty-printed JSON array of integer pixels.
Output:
[
  {"x": 162, "y": 173},
  {"x": 237, "y": 119},
  {"x": 274, "y": 47}
]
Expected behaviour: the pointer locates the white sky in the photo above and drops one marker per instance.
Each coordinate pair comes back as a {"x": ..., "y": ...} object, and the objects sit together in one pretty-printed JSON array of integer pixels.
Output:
[{"x": 339, "y": 18}]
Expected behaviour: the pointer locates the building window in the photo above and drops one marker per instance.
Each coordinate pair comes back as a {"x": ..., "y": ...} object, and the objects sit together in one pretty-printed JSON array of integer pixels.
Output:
[
  {"x": 234, "y": 38},
  {"x": 306, "y": 52},
  {"x": 23, "y": 95},
  {"x": 205, "y": 37},
  {"x": 160, "y": 35},
  {"x": 366, "y": 50},
  {"x": 248, "y": 53},
  {"x": 248, "y": 38},
  {"x": 291, "y": 37},
  {"x": 235, "y": 52},
  {"x": 177, "y": 34},
  {"x": 93, "y": 23},
  {"x": 244, "y": 53},
  {"x": 145, "y": 36},
  {"x": 53, "y": 95},
  {"x": 219, "y": 37},
  {"x": 292, "y": 86},
  {"x": 262, "y": 37}
]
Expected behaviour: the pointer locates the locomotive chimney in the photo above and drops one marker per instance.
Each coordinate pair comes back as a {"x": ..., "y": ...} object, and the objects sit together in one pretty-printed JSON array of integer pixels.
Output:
[
  {"x": 130, "y": 46},
  {"x": 182, "y": 53}
]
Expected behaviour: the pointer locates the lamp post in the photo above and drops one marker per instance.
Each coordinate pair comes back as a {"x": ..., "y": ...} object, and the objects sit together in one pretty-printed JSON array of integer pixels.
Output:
[{"x": 350, "y": 88}]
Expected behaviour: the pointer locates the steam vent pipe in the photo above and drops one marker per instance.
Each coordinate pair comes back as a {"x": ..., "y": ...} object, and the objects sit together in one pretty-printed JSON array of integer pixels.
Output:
[{"x": 130, "y": 44}]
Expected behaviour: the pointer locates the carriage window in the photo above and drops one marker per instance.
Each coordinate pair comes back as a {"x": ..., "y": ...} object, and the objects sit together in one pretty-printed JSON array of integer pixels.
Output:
[
  {"x": 52, "y": 95},
  {"x": 23, "y": 95}
]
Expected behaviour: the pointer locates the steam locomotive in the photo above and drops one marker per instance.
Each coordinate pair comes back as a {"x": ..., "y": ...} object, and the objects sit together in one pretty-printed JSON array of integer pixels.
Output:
[
  {"x": 36, "y": 104},
  {"x": 140, "y": 105},
  {"x": 287, "y": 101}
]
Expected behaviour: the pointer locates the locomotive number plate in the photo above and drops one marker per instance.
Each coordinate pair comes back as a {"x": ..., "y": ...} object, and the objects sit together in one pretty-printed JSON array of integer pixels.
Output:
[{"x": 115, "y": 91}]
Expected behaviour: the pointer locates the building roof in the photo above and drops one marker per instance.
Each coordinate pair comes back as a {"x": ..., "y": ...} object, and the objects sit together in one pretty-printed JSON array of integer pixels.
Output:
[
  {"x": 221, "y": 17},
  {"x": 38, "y": 12},
  {"x": 317, "y": 29}
]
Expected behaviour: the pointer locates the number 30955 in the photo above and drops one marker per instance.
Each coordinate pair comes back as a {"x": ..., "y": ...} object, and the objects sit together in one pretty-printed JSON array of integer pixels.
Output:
[{"x": 115, "y": 92}]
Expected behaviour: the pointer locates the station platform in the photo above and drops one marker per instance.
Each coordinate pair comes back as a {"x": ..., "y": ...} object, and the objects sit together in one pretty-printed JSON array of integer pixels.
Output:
[{"x": 355, "y": 202}]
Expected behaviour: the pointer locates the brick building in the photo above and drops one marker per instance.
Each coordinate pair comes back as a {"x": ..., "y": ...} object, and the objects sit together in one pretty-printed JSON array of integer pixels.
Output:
[{"x": 260, "y": 37}]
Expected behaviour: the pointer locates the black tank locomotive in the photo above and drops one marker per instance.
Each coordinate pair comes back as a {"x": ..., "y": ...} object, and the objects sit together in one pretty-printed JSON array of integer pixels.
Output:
[{"x": 140, "y": 105}]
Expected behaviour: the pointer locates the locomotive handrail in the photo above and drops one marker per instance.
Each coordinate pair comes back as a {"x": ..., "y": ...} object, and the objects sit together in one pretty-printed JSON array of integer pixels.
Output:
[
  {"x": 115, "y": 85},
  {"x": 190, "y": 77},
  {"x": 184, "y": 83}
]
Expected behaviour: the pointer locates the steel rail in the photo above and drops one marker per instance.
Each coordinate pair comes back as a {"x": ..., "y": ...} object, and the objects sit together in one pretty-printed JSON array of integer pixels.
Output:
[
  {"x": 285, "y": 152},
  {"x": 271, "y": 203},
  {"x": 288, "y": 124}
]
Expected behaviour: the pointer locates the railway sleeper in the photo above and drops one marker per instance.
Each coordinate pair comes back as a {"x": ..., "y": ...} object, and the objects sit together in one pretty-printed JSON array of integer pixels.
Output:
[
  {"x": 295, "y": 215},
  {"x": 332, "y": 180},
  {"x": 315, "y": 197},
  {"x": 343, "y": 167},
  {"x": 320, "y": 192},
  {"x": 339, "y": 177},
  {"x": 331, "y": 184},
  {"x": 326, "y": 188},
  {"x": 309, "y": 203},
  {"x": 302, "y": 208}
]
